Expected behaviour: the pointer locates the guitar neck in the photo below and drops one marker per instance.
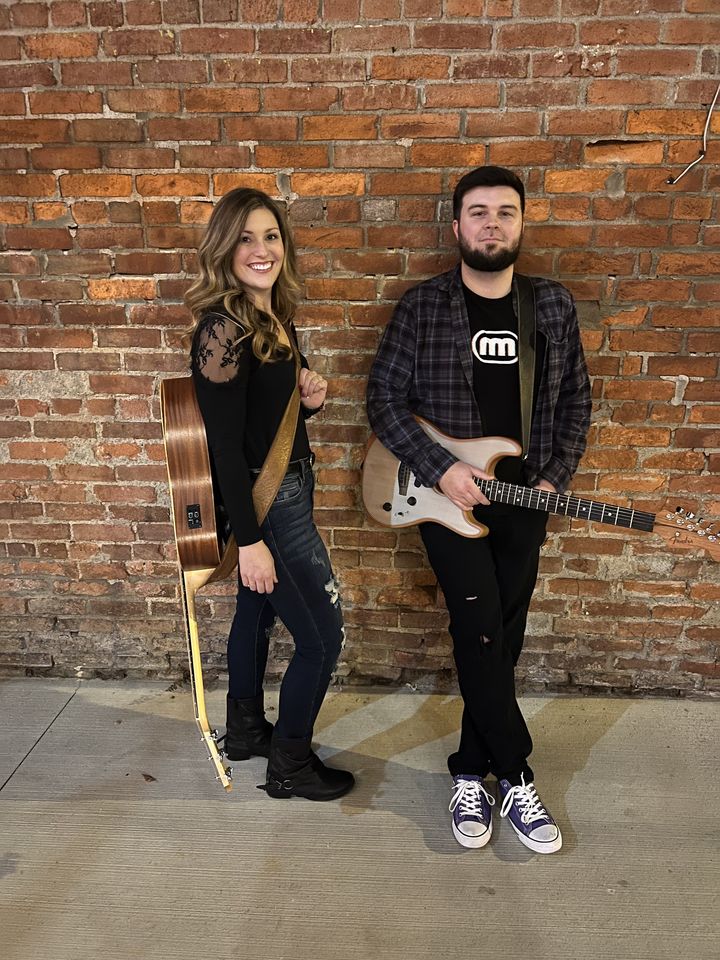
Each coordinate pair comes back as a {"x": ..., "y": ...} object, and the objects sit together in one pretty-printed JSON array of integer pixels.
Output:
[{"x": 501, "y": 492}]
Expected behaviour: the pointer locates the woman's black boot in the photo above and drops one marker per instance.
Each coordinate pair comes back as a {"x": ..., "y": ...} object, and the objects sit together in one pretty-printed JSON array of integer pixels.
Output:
[
  {"x": 295, "y": 771},
  {"x": 248, "y": 732}
]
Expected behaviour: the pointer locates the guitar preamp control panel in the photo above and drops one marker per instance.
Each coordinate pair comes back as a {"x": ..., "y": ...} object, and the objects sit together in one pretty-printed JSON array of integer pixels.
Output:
[{"x": 194, "y": 518}]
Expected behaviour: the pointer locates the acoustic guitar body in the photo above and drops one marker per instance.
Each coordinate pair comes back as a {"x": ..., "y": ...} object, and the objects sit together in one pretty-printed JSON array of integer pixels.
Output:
[{"x": 200, "y": 545}]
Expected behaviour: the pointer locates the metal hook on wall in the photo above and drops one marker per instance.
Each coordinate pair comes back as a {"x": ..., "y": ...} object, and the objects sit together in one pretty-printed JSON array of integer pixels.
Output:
[{"x": 672, "y": 181}]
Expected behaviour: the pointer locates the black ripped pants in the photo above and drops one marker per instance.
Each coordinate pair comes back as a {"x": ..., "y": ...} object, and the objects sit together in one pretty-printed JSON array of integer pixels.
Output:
[{"x": 488, "y": 584}]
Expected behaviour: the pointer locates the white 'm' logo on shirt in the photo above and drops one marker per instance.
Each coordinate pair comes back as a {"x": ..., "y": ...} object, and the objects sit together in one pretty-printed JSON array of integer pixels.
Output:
[{"x": 495, "y": 346}]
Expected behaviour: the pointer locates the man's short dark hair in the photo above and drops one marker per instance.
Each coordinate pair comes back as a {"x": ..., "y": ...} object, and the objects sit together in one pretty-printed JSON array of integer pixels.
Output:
[{"x": 487, "y": 177}]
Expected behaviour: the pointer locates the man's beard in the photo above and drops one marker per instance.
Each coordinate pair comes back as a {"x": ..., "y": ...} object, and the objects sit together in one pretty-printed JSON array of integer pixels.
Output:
[{"x": 488, "y": 262}]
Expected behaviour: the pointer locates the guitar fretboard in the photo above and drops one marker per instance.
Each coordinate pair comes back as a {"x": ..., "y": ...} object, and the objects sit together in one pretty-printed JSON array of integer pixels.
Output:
[{"x": 502, "y": 492}]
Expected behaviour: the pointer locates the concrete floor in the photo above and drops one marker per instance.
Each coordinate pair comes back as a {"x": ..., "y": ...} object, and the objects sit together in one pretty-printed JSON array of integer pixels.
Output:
[{"x": 116, "y": 843}]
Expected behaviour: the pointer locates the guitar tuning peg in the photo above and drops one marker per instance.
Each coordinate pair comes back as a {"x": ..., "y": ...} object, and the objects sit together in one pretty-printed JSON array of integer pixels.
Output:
[
  {"x": 691, "y": 516},
  {"x": 679, "y": 510}
]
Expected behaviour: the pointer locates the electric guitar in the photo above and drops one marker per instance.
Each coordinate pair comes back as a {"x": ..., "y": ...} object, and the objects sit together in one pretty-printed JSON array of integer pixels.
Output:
[
  {"x": 394, "y": 497},
  {"x": 204, "y": 553}
]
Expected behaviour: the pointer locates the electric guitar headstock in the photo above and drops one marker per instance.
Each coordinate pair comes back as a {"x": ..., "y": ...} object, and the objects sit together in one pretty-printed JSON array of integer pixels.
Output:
[{"x": 684, "y": 530}]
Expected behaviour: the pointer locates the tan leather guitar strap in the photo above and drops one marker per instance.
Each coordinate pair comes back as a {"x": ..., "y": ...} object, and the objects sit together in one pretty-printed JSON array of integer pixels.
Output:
[{"x": 276, "y": 462}]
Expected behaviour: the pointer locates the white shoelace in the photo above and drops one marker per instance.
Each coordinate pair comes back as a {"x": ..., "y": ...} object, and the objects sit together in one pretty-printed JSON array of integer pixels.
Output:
[
  {"x": 528, "y": 802},
  {"x": 468, "y": 797}
]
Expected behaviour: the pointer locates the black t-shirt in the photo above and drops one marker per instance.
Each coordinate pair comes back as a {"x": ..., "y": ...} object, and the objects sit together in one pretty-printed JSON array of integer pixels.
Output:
[{"x": 494, "y": 346}]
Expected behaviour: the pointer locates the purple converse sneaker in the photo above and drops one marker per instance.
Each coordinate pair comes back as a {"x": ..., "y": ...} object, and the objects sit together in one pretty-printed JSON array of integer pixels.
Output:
[
  {"x": 528, "y": 817},
  {"x": 470, "y": 807}
]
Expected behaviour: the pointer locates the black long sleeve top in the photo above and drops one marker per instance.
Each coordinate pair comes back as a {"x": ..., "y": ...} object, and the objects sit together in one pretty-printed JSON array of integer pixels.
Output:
[{"x": 242, "y": 402}]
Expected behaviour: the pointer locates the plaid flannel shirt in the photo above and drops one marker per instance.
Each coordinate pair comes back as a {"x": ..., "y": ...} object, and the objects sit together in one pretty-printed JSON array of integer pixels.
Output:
[{"x": 424, "y": 366}]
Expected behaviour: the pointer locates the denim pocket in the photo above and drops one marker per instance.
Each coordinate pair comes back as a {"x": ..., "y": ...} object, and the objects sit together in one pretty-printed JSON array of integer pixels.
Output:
[{"x": 290, "y": 488}]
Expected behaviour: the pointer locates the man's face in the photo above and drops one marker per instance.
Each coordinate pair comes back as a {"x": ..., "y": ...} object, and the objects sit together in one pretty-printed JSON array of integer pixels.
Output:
[{"x": 490, "y": 228}]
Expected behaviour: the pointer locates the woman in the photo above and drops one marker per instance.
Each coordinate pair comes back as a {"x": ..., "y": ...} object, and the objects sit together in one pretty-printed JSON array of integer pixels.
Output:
[{"x": 244, "y": 369}]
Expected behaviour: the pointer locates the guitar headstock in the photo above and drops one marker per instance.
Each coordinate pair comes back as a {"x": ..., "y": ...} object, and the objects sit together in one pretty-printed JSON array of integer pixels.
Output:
[{"x": 684, "y": 530}]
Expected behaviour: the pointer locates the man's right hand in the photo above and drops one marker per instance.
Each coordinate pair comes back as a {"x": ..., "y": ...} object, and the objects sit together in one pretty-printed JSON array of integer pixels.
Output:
[
  {"x": 457, "y": 484},
  {"x": 257, "y": 567}
]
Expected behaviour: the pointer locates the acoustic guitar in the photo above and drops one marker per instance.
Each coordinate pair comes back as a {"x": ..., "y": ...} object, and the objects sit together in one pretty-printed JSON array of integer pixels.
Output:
[
  {"x": 206, "y": 553},
  {"x": 394, "y": 497}
]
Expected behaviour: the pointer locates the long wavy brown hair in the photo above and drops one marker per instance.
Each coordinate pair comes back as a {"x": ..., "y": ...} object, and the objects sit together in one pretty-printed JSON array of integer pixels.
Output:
[{"x": 217, "y": 284}]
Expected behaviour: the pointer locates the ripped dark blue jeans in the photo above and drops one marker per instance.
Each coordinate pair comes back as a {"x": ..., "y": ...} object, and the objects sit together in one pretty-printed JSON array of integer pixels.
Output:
[{"x": 306, "y": 600}]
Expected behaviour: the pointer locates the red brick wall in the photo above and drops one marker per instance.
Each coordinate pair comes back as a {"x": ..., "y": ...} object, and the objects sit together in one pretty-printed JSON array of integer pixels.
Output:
[{"x": 122, "y": 121}]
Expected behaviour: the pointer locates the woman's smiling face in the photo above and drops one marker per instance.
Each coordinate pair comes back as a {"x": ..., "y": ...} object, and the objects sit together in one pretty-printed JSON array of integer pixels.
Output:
[{"x": 258, "y": 257}]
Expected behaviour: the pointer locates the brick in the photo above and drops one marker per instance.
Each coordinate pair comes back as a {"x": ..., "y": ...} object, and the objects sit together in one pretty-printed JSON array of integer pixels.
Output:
[
  {"x": 337, "y": 184},
  {"x": 619, "y": 32},
  {"x": 206, "y": 128},
  {"x": 585, "y": 122},
  {"x": 12, "y": 103},
  {"x": 65, "y": 157},
  {"x": 107, "y": 130},
  {"x": 686, "y": 32},
  {"x": 172, "y": 185},
  {"x": 14, "y": 213},
  {"x": 290, "y": 40},
  {"x": 333, "y": 238},
  {"x": 250, "y": 70},
  {"x": 365, "y": 37},
  {"x": 56, "y": 101},
  {"x": 121, "y": 289},
  {"x": 222, "y": 182},
  {"x": 292, "y": 155},
  {"x": 628, "y": 235},
  {"x": 593, "y": 262},
  {"x": 424, "y": 125},
  {"x": 405, "y": 183},
  {"x": 625, "y": 92},
  {"x": 68, "y": 14},
  {"x": 145, "y": 100},
  {"x": 301, "y": 99},
  {"x": 665, "y": 121},
  {"x": 470, "y": 95},
  {"x": 576, "y": 181},
  {"x": 659, "y": 62},
  {"x": 531, "y": 35},
  {"x": 341, "y": 10},
  {"x": 413, "y": 67},
  {"x": 34, "y": 131},
  {"x": 382, "y": 96},
  {"x": 567, "y": 63},
  {"x": 60, "y": 46},
  {"x": 512, "y": 123},
  {"x": 27, "y": 185},
  {"x": 334, "y": 69},
  {"x": 237, "y": 100},
  {"x": 694, "y": 264},
  {"x": 95, "y": 185},
  {"x": 262, "y": 128},
  {"x": 453, "y": 36},
  {"x": 617, "y": 151},
  {"x": 463, "y": 155},
  {"x": 37, "y": 238},
  {"x": 365, "y": 155},
  {"x": 27, "y": 75},
  {"x": 333, "y": 127},
  {"x": 125, "y": 43},
  {"x": 217, "y": 11}
]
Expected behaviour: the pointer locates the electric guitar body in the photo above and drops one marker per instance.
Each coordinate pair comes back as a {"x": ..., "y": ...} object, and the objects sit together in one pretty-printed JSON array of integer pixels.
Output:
[{"x": 394, "y": 497}]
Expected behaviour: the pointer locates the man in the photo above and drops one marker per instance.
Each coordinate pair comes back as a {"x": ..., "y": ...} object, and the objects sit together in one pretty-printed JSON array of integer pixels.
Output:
[{"x": 455, "y": 354}]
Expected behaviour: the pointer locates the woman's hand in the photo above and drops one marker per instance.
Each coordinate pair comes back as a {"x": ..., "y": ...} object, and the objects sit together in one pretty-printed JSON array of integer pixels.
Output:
[
  {"x": 257, "y": 567},
  {"x": 313, "y": 389}
]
